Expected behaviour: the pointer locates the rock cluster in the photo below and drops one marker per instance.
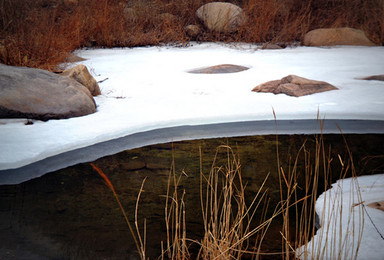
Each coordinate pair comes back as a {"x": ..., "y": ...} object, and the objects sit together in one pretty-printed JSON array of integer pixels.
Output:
[
  {"x": 39, "y": 94},
  {"x": 293, "y": 85}
]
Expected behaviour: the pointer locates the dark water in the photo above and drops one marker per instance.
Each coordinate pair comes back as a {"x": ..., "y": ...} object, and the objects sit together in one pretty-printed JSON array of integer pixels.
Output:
[{"x": 72, "y": 214}]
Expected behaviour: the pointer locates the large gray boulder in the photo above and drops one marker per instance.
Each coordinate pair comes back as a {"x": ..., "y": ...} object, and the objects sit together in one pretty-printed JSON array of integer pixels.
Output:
[
  {"x": 336, "y": 36},
  {"x": 293, "y": 85},
  {"x": 221, "y": 17},
  {"x": 39, "y": 94}
]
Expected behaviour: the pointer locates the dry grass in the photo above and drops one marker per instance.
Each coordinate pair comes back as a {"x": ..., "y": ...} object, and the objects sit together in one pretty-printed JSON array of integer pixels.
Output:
[
  {"x": 137, "y": 237},
  {"x": 331, "y": 242},
  {"x": 177, "y": 242},
  {"x": 234, "y": 229},
  {"x": 41, "y": 33},
  {"x": 226, "y": 216}
]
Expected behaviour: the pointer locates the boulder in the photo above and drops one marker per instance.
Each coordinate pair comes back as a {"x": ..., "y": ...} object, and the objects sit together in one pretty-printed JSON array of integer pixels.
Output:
[
  {"x": 81, "y": 74},
  {"x": 375, "y": 77},
  {"x": 377, "y": 205},
  {"x": 336, "y": 36},
  {"x": 293, "y": 85},
  {"x": 192, "y": 30},
  {"x": 221, "y": 17},
  {"x": 39, "y": 94},
  {"x": 223, "y": 68}
]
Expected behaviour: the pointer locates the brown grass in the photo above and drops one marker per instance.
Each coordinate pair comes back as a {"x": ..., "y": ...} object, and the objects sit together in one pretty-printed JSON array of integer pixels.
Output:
[
  {"x": 299, "y": 203},
  {"x": 41, "y": 33},
  {"x": 234, "y": 229}
]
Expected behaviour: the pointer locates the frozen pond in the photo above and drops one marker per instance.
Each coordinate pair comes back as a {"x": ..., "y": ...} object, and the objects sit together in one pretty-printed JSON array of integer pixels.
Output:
[{"x": 149, "y": 88}]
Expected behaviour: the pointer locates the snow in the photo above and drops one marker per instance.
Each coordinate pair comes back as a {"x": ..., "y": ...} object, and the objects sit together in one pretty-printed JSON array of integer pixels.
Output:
[
  {"x": 149, "y": 88},
  {"x": 347, "y": 223}
]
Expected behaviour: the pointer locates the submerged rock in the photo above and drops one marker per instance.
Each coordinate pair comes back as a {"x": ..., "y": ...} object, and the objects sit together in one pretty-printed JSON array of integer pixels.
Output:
[
  {"x": 39, "y": 94},
  {"x": 222, "y": 68},
  {"x": 293, "y": 85}
]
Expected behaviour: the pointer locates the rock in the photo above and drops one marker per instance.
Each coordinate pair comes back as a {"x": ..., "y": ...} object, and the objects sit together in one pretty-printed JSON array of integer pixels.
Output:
[
  {"x": 192, "y": 30},
  {"x": 39, "y": 94},
  {"x": 81, "y": 74},
  {"x": 375, "y": 77},
  {"x": 377, "y": 205},
  {"x": 132, "y": 165},
  {"x": 336, "y": 36},
  {"x": 223, "y": 68},
  {"x": 221, "y": 17},
  {"x": 293, "y": 85}
]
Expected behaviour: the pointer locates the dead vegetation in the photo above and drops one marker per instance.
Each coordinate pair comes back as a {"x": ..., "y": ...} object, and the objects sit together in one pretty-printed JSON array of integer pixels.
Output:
[
  {"x": 237, "y": 229},
  {"x": 41, "y": 33}
]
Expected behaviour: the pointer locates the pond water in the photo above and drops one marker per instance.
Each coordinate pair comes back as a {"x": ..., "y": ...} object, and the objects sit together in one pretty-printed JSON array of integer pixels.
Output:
[{"x": 72, "y": 214}]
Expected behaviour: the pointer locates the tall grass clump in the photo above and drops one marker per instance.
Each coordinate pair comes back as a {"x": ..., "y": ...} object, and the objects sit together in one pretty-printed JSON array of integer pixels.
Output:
[
  {"x": 227, "y": 219},
  {"x": 235, "y": 227},
  {"x": 226, "y": 216},
  {"x": 331, "y": 241},
  {"x": 175, "y": 213},
  {"x": 42, "y": 33}
]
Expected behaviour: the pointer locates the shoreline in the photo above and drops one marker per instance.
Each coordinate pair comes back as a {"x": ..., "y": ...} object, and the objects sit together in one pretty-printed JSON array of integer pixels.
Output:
[{"x": 187, "y": 132}]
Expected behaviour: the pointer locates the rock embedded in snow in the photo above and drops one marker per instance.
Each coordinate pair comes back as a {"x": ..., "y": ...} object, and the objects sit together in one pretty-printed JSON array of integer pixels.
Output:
[
  {"x": 81, "y": 74},
  {"x": 293, "y": 85},
  {"x": 336, "y": 36},
  {"x": 39, "y": 94},
  {"x": 375, "y": 77},
  {"x": 221, "y": 17},
  {"x": 377, "y": 205},
  {"x": 223, "y": 68}
]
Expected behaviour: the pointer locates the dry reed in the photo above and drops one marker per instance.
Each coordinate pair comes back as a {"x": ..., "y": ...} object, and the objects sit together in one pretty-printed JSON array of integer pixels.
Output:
[
  {"x": 227, "y": 219},
  {"x": 42, "y": 33}
]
